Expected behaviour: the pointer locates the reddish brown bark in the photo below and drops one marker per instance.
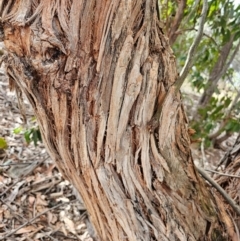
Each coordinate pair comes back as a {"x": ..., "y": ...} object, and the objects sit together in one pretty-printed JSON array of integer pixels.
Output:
[{"x": 99, "y": 75}]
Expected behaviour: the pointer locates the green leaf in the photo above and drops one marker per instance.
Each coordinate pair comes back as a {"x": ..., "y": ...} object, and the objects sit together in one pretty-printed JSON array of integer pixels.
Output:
[
  {"x": 237, "y": 36},
  {"x": 3, "y": 143},
  {"x": 208, "y": 127},
  {"x": 207, "y": 142},
  {"x": 226, "y": 36},
  {"x": 227, "y": 102},
  {"x": 223, "y": 31},
  {"x": 18, "y": 130},
  {"x": 27, "y": 136},
  {"x": 233, "y": 126},
  {"x": 217, "y": 110},
  {"x": 232, "y": 23},
  {"x": 39, "y": 135},
  {"x": 35, "y": 137},
  {"x": 223, "y": 23},
  {"x": 213, "y": 101},
  {"x": 33, "y": 119},
  {"x": 203, "y": 112}
]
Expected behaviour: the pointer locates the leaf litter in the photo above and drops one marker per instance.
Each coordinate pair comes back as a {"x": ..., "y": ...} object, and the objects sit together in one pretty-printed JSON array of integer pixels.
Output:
[{"x": 36, "y": 203}]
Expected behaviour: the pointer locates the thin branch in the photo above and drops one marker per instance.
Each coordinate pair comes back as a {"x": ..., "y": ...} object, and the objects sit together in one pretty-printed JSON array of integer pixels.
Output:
[
  {"x": 235, "y": 225},
  {"x": 177, "y": 21},
  {"x": 16, "y": 215},
  {"x": 30, "y": 221},
  {"x": 222, "y": 174},
  {"x": 167, "y": 17},
  {"x": 204, "y": 159},
  {"x": 226, "y": 66},
  {"x": 8, "y": 188},
  {"x": 16, "y": 164},
  {"x": 194, "y": 29},
  {"x": 210, "y": 37},
  {"x": 229, "y": 200},
  {"x": 25, "y": 163},
  {"x": 193, "y": 48}
]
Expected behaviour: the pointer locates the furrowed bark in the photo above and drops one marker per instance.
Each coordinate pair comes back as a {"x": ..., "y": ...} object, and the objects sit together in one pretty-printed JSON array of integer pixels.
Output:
[{"x": 96, "y": 73}]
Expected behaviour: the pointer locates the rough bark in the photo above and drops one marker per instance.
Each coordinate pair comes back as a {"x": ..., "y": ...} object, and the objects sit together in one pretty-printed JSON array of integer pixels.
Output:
[
  {"x": 229, "y": 180},
  {"x": 99, "y": 75}
]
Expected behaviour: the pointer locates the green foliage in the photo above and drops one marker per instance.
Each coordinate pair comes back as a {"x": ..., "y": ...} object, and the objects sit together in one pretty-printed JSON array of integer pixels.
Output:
[
  {"x": 233, "y": 125},
  {"x": 212, "y": 116},
  {"x": 31, "y": 134},
  {"x": 3, "y": 143},
  {"x": 222, "y": 25},
  {"x": 223, "y": 19},
  {"x": 167, "y": 10},
  {"x": 198, "y": 80},
  {"x": 18, "y": 130}
]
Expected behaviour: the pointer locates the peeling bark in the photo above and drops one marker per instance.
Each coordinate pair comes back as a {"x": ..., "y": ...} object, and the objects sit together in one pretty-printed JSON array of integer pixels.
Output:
[
  {"x": 97, "y": 73},
  {"x": 230, "y": 180}
]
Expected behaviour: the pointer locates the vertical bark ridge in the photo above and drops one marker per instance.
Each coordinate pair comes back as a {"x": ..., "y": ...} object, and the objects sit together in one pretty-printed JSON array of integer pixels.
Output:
[{"x": 100, "y": 72}]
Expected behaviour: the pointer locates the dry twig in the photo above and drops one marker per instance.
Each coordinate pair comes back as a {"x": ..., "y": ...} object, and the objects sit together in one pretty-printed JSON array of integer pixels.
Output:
[
  {"x": 30, "y": 221},
  {"x": 193, "y": 48},
  {"x": 229, "y": 200},
  {"x": 222, "y": 174}
]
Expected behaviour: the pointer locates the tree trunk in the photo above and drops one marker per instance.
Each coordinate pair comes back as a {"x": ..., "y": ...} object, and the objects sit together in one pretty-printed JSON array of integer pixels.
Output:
[{"x": 99, "y": 75}]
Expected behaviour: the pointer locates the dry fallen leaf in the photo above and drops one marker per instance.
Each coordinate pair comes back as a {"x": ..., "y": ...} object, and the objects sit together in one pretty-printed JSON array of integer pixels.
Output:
[
  {"x": 40, "y": 200},
  {"x": 31, "y": 200},
  {"x": 14, "y": 193},
  {"x": 1, "y": 179},
  {"x": 21, "y": 170},
  {"x": 26, "y": 229},
  {"x": 69, "y": 225}
]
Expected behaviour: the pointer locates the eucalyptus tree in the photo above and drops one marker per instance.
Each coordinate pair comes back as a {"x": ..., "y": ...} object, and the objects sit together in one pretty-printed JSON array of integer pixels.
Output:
[{"x": 101, "y": 78}]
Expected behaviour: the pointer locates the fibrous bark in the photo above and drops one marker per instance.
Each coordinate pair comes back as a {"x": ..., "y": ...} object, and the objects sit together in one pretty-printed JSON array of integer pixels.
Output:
[
  {"x": 100, "y": 75},
  {"x": 230, "y": 178}
]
